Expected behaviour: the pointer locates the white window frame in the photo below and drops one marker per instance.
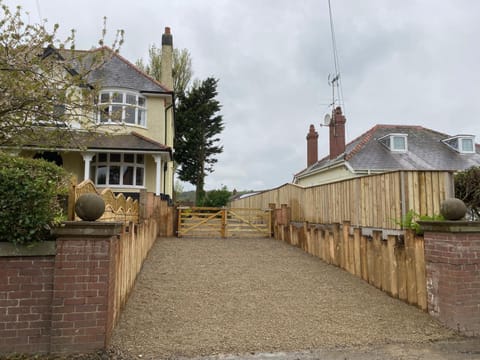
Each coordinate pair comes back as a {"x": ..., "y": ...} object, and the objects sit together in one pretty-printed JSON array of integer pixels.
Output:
[
  {"x": 398, "y": 136},
  {"x": 107, "y": 108},
  {"x": 96, "y": 164},
  {"x": 460, "y": 144},
  {"x": 460, "y": 139},
  {"x": 390, "y": 143}
]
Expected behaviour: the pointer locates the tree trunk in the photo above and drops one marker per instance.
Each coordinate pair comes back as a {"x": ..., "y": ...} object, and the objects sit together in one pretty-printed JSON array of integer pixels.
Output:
[{"x": 199, "y": 191}]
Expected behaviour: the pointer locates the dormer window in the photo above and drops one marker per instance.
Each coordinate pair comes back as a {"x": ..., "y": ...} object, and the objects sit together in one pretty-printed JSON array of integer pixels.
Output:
[
  {"x": 395, "y": 142},
  {"x": 119, "y": 106},
  {"x": 464, "y": 144}
]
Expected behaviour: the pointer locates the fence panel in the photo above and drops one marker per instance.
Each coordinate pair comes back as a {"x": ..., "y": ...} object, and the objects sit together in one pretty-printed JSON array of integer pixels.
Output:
[
  {"x": 376, "y": 201},
  {"x": 117, "y": 207},
  {"x": 394, "y": 264}
]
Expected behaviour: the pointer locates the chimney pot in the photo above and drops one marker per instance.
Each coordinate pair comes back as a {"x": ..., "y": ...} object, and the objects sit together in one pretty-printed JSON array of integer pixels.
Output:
[{"x": 167, "y": 38}]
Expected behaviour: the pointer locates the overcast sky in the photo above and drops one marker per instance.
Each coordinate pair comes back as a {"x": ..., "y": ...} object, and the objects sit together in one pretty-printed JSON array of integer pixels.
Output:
[{"x": 401, "y": 62}]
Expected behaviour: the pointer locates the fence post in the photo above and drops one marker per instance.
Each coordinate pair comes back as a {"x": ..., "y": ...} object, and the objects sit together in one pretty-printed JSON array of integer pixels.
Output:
[
  {"x": 71, "y": 199},
  {"x": 224, "y": 223},
  {"x": 271, "y": 206}
]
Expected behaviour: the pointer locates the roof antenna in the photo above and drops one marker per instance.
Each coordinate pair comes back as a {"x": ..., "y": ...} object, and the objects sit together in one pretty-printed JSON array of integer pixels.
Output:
[{"x": 334, "y": 79}]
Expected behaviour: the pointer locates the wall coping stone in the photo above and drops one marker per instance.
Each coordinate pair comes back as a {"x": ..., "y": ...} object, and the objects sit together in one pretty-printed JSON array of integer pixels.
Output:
[
  {"x": 44, "y": 248},
  {"x": 450, "y": 226},
  {"x": 93, "y": 229}
]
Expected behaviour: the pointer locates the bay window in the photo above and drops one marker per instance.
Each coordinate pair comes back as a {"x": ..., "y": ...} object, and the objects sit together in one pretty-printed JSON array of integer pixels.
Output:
[
  {"x": 118, "y": 170},
  {"x": 118, "y": 106}
]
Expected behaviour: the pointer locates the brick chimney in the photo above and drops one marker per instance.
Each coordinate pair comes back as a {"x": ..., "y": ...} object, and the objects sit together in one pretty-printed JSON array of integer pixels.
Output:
[
  {"x": 166, "y": 65},
  {"x": 312, "y": 146},
  {"x": 337, "y": 133}
]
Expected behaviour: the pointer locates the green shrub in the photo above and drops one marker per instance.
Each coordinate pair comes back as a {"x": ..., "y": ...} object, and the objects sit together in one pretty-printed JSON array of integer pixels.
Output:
[
  {"x": 29, "y": 191},
  {"x": 411, "y": 218},
  {"x": 217, "y": 198},
  {"x": 467, "y": 188}
]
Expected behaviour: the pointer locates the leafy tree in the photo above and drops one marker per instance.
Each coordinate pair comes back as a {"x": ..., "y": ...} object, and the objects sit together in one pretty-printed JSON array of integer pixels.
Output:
[
  {"x": 197, "y": 126},
  {"x": 217, "y": 198},
  {"x": 467, "y": 189},
  {"x": 182, "y": 67},
  {"x": 43, "y": 81}
]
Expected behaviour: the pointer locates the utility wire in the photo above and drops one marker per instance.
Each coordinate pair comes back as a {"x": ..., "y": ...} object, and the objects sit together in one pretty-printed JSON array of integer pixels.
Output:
[{"x": 39, "y": 11}]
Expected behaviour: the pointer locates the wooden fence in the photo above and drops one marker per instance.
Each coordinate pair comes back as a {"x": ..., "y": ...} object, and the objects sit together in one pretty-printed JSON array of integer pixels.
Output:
[
  {"x": 376, "y": 201},
  {"x": 392, "y": 263},
  {"x": 357, "y": 224},
  {"x": 133, "y": 246},
  {"x": 142, "y": 224},
  {"x": 117, "y": 207}
]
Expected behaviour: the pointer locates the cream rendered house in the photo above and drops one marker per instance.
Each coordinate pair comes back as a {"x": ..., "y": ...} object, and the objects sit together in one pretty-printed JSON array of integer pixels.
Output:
[{"x": 137, "y": 113}]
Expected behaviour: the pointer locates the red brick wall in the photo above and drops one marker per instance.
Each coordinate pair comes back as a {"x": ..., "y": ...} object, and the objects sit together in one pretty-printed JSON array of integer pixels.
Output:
[
  {"x": 453, "y": 279},
  {"x": 62, "y": 303},
  {"x": 26, "y": 288},
  {"x": 80, "y": 298}
]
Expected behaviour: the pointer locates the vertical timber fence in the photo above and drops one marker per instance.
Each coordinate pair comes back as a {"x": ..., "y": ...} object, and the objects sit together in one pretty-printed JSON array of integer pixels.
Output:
[
  {"x": 359, "y": 225},
  {"x": 66, "y": 295},
  {"x": 376, "y": 201}
]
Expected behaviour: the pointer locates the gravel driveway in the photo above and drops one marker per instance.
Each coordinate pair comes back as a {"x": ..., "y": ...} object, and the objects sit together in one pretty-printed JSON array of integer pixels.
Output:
[{"x": 202, "y": 297}]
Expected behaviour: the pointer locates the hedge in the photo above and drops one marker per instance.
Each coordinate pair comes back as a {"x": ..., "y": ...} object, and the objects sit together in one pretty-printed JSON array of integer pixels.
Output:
[{"x": 29, "y": 192}]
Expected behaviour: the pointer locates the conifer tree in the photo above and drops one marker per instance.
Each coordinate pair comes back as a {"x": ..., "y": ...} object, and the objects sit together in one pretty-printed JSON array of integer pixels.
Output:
[{"x": 198, "y": 125}]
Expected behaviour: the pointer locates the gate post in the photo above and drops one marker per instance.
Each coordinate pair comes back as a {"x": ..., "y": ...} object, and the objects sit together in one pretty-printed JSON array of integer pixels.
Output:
[
  {"x": 224, "y": 223},
  {"x": 272, "y": 206}
]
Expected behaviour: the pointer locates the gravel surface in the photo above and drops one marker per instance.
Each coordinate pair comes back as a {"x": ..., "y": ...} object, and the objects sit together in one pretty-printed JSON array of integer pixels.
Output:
[{"x": 203, "y": 297}]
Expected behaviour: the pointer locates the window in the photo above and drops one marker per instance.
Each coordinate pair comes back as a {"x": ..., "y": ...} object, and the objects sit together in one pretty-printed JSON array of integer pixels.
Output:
[
  {"x": 121, "y": 170},
  {"x": 395, "y": 142},
  {"x": 464, "y": 144},
  {"x": 122, "y": 107}
]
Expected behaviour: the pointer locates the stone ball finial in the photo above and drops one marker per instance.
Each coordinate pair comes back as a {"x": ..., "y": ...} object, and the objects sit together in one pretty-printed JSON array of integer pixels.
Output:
[
  {"x": 453, "y": 209},
  {"x": 90, "y": 207}
]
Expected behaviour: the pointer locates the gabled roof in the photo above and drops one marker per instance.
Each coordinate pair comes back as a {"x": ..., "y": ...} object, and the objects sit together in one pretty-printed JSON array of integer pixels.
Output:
[
  {"x": 116, "y": 72},
  {"x": 426, "y": 151},
  {"x": 119, "y": 72}
]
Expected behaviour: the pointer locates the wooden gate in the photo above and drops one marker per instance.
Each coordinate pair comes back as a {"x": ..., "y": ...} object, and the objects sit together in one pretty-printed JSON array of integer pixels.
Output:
[{"x": 224, "y": 222}]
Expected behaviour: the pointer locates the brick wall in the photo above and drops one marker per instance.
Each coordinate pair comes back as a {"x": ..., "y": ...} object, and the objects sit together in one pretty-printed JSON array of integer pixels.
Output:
[
  {"x": 452, "y": 256},
  {"x": 26, "y": 289},
  {"x": 82, "y": 285},
  {"x": 60, "y": 303}
]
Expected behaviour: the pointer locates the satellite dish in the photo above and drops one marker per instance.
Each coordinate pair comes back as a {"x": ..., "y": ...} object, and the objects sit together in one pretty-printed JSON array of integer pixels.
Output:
[{"x": 326, "y": 120}]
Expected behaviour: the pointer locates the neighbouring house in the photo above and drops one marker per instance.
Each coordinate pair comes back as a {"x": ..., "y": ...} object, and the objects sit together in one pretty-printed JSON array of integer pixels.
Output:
[
  {"x": 133, "y": 149},
  {"x": 384, "y": 148}
]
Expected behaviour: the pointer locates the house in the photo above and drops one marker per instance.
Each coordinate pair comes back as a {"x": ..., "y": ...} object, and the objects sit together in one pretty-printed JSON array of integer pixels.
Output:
[
  {"x": 135, "y": 130},
  {"x": 384, "y": 148}
]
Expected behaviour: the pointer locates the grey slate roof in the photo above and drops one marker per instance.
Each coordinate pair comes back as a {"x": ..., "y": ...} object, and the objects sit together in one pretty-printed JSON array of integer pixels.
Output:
[
  {"x": 115, "y": 72},
  {"x": 119, "y": 72},
  {"x": 426, "y": 151}
]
